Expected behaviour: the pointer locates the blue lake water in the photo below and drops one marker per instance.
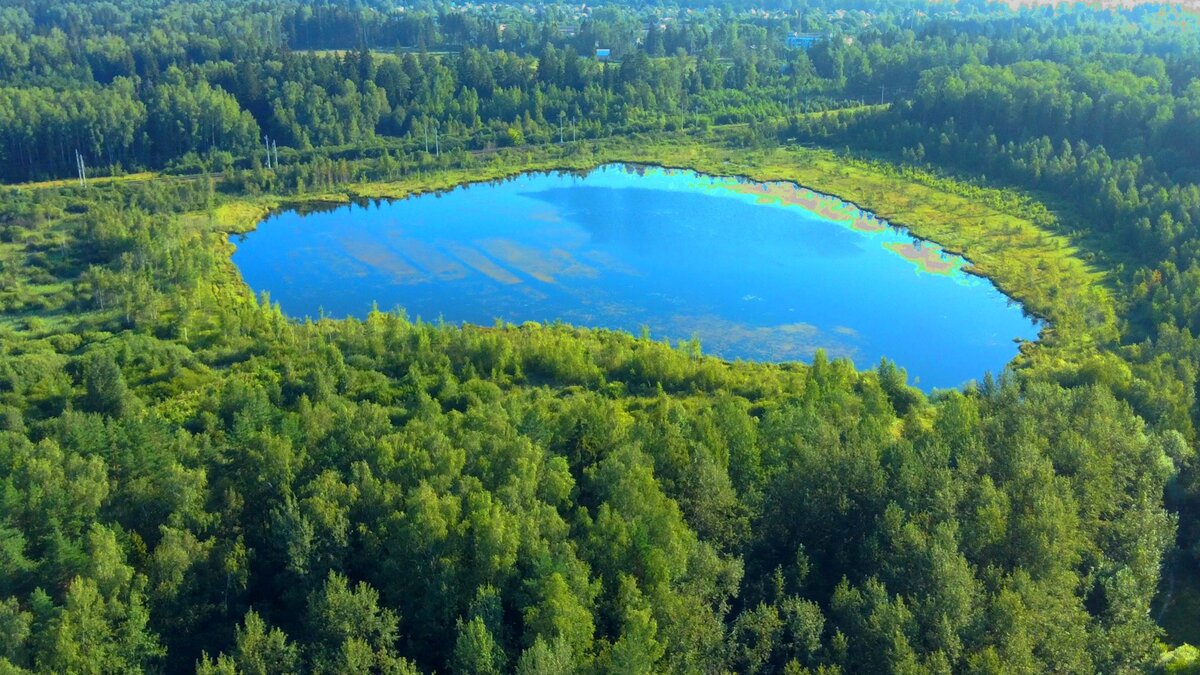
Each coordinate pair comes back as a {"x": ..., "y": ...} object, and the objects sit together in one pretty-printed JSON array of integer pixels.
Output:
[{"x": 763, "y": 271}]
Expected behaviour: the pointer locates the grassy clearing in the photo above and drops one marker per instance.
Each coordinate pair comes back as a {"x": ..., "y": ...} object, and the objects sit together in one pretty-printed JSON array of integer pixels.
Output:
[
  {"x": 72, "y": 182},
  {"x": 241, "y": 216}
]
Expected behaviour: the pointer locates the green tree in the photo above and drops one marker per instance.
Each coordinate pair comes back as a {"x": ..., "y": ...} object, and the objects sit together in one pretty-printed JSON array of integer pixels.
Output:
[{"x": 105, "y": 390}]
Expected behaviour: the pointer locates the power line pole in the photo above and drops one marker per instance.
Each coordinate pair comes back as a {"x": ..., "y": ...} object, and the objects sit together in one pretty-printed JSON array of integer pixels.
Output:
[
  {"x": 437, "y": 143},
  {"x": 81, "y": 169},
  {"x": 881, "y": 89},
  {"x": 561, "y": 116},
  {"x": 276, "y": 149},
  {"x": 267, "y": 142}
]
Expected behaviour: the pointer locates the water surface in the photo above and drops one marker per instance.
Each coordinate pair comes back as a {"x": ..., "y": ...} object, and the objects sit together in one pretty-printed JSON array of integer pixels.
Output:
[{"x": 764, "y": 271}]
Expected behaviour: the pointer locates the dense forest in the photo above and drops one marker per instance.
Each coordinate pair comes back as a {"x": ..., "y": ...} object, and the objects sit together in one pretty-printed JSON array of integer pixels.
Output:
[{"x": 192, "y": 481}]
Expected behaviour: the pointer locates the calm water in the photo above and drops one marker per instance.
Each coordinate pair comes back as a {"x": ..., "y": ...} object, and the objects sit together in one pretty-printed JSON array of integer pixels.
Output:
[{"x": 765, "y": 271}]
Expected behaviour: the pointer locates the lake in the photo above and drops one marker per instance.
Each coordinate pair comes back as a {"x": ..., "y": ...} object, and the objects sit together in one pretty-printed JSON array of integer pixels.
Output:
[{"x": 763, "y": 271}]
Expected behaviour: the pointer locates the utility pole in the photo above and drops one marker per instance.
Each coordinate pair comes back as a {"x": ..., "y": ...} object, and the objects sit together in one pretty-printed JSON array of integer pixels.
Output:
[
  {"x": 276, "y": 149},
  {"x": 881, "y": 89},
  {"x": 267, "y": 142},
  {"x": 425, "y": 130},
  {"x": 561, "y": 116},
  {"x": 437, "y": 144},
  {"x": 81, "y": 169}
]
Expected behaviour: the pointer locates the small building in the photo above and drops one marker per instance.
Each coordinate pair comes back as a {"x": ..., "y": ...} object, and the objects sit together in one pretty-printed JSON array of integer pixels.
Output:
[
  {"x": 803, "y": 41},
  {"x": 603, "y": 54}
]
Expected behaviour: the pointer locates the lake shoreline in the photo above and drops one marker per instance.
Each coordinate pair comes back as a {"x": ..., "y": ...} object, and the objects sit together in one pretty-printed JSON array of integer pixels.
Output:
[
  {"x": 983, "y": 225},
  {"x": 829, "y": 264},
  {"x": 971, "y": 268}
]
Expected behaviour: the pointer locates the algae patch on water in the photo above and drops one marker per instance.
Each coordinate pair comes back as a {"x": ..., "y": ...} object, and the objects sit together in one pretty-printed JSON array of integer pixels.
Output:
[
  {"x": 790, "y": 194},
  {"x": 927, "y": 258}
]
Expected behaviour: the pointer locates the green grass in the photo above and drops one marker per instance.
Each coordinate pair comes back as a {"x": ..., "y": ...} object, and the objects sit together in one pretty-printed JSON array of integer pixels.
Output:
[
  {"x": 242, "y": 215},
  {"x": 72, "y": 182}
]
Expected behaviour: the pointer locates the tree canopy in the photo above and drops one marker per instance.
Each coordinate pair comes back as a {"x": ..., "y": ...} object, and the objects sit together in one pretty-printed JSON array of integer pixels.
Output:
[{"x": 190, "y": 480}]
